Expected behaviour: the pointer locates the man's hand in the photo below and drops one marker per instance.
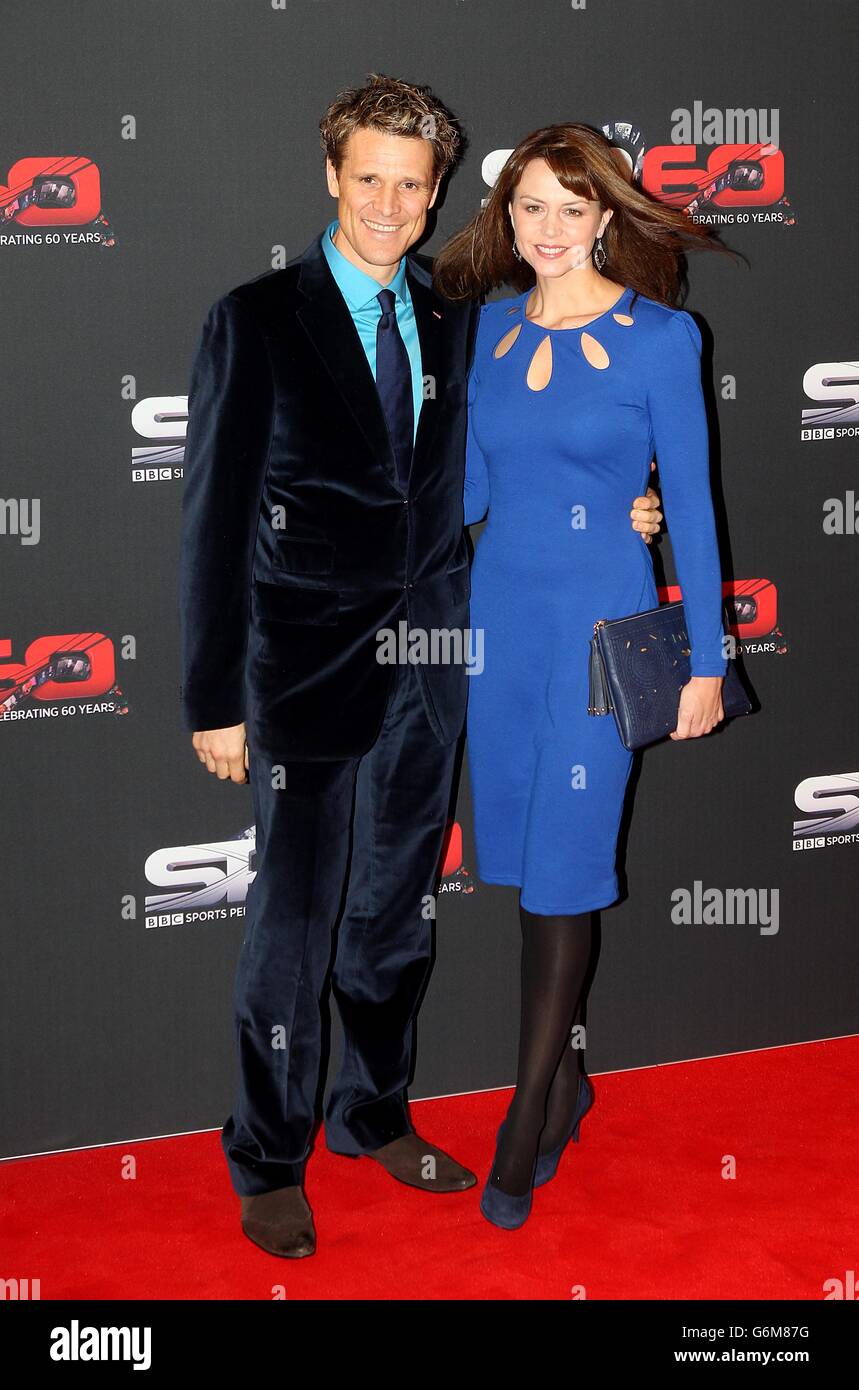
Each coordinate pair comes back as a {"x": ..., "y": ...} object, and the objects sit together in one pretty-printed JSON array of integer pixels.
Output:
[
  {"x": 224, "y": 752},
  {"x": 645, "y": 513},
  {"x": 700, "y": 707}
]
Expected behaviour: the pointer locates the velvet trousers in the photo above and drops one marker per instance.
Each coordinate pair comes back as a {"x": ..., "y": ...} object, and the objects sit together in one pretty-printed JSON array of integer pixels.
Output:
[{"x": 347, "y": 861}]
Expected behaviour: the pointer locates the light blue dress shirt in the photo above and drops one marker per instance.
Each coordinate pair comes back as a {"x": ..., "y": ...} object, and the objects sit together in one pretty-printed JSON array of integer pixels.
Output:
[{"x": 360, "y": 292}]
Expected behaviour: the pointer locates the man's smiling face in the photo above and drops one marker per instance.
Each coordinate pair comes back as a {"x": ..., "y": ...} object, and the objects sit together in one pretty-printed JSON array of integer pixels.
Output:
[{"x": 384, "y": 190}]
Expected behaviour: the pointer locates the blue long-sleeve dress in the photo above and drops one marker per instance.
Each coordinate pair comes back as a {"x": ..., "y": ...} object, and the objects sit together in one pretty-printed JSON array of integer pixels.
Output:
[{"x": 557, "y": 470}]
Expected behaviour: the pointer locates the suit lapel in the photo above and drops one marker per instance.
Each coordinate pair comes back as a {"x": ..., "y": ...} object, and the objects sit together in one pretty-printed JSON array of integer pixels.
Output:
[
  {"x": 428, "y": 315},
  {"x": 325, "y": 317}
]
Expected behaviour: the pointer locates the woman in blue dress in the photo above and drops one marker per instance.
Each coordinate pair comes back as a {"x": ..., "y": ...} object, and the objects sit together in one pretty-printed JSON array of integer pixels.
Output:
[{"x": 574, "y": 384}]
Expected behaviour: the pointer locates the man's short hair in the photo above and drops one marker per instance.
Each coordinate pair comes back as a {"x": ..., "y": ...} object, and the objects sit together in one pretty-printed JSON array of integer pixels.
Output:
[{"x": 397, "y": 108}]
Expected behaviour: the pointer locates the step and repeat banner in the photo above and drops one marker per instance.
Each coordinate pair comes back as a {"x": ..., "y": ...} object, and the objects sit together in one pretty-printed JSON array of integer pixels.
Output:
[{"x": 153, "y": 155}]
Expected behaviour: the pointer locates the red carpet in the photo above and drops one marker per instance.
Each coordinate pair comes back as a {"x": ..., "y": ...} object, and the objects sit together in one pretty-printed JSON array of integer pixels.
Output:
[{"x": 639, "y": 1208}]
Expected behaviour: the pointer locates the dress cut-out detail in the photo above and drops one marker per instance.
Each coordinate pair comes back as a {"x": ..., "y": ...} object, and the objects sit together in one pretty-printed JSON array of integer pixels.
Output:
[
  {"x": 540, "y": 367},
  {"x": 594, "y": 352},
  {"x": 626, "y": 319},
  {"x": 505, "y": 344}
]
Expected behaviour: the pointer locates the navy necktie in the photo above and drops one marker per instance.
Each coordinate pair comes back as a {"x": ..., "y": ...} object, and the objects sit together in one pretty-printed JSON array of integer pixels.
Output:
[{"x": 394, "y": 384}]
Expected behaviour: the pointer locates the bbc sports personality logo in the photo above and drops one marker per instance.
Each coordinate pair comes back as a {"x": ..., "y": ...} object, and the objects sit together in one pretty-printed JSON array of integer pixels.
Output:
[
  {"x": 720, "y": 165},
  {"x": 834, "y": 389},
  {"x": 750, "y": 607},
  {"x": 831, "y": 811},
  {"x": 53, "y": 201},
  {"x": 208, "y": 883},
  {"x": 62, "y": 675},
  {"x": 162, "y": 423}
]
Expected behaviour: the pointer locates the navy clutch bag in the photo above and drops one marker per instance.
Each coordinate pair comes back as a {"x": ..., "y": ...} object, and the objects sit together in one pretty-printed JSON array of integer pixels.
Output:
[{"x": 638, "y": 666}]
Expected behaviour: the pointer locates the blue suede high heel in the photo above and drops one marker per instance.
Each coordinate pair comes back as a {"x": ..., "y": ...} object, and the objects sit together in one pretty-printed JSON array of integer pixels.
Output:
[
  {"x": 547, "y": 1164},
  {"x": 505, "y": 1209}
]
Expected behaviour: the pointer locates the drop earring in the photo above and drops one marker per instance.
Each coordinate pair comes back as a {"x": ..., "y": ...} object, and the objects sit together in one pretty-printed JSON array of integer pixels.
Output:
[
  {"x": 516, "y": 252},
  {"x": 599, "y": 254}
]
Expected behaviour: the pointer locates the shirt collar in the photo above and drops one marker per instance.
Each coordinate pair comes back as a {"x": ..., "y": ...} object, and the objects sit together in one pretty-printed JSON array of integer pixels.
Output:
[{"x": 359, "y": 290}]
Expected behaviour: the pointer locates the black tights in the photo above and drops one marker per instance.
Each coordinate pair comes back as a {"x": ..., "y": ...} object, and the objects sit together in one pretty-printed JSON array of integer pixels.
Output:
[{"x": 555, "y": 956}]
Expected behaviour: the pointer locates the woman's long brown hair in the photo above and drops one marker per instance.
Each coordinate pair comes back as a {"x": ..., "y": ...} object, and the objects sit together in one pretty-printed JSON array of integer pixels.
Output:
[{"x": 644, "y": 240}]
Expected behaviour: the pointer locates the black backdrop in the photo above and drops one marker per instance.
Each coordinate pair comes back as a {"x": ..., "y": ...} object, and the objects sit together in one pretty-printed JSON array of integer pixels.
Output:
[{"x": 191, "y": 128}]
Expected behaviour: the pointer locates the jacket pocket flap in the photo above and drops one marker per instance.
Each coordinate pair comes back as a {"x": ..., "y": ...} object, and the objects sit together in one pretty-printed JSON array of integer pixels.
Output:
[{"x": 290, "y": 603}]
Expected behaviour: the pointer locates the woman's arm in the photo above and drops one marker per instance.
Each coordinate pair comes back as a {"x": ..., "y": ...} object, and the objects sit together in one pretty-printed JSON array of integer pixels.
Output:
[
  {"x": 679, "y": 425},
  {"x": 680, "y": 438},
  {"x": 476, "y": 494}
]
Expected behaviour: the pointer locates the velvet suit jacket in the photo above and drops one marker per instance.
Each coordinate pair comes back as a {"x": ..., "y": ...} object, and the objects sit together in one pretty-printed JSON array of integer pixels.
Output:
[{"x": 297, "y": 545}]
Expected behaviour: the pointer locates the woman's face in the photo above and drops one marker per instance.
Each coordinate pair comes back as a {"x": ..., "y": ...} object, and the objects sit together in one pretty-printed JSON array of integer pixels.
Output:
[{"x": 555, "y": 229}]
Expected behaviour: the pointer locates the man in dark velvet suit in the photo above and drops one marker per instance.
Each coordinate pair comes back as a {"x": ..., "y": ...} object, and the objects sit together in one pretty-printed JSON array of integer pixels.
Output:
[{"x": 322, "y": 507}]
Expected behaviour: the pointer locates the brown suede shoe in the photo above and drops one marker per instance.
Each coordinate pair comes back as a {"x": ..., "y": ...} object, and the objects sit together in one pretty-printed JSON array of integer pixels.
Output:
[
  {"x": 406, "y": 1159},
  {"x": 280, "y": 1222}
]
